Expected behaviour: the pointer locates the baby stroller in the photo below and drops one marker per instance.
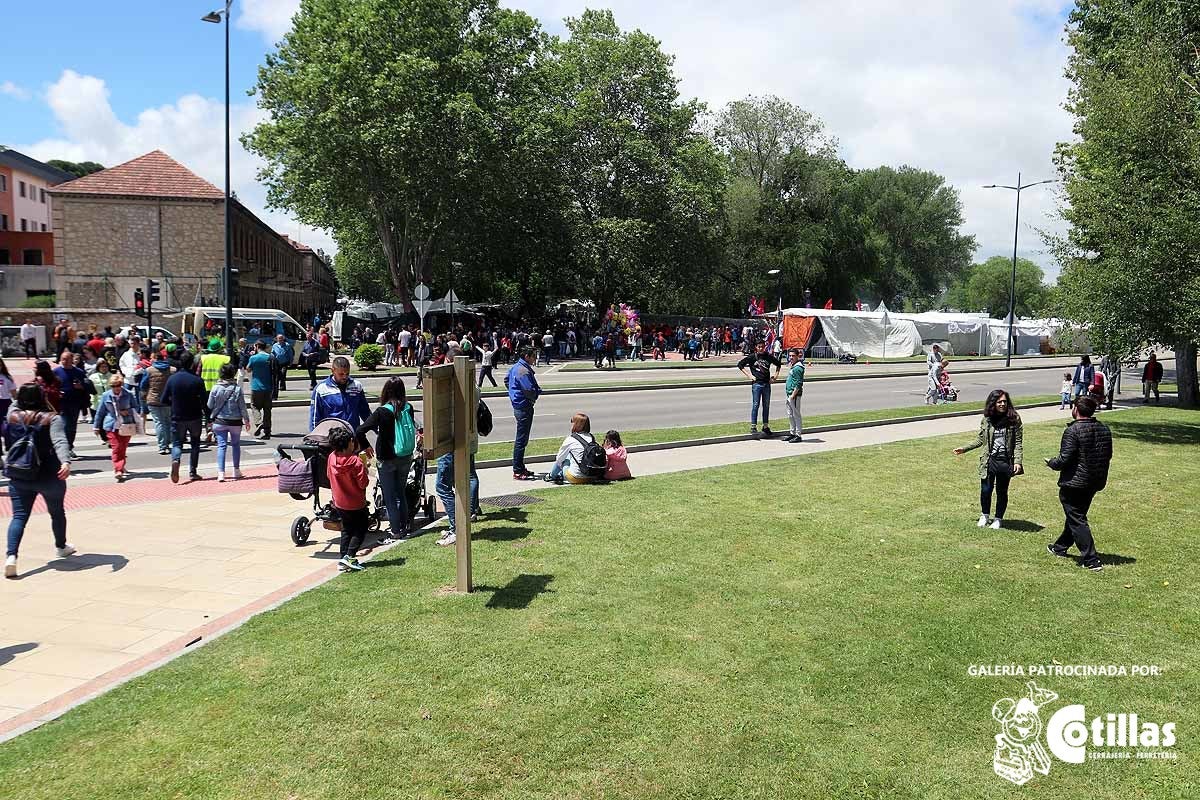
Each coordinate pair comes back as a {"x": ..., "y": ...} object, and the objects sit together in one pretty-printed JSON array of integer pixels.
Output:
[
  {"x": 414, "y": 489},
  {"x": 304, "y": 478}
]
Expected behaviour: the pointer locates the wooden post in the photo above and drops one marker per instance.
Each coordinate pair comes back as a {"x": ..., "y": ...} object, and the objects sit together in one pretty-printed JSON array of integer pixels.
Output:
[{"x": 464, "y": 426}]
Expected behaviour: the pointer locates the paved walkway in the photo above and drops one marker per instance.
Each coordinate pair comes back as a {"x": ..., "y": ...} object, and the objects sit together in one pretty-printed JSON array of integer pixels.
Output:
[{"x": 162, "y": 567}]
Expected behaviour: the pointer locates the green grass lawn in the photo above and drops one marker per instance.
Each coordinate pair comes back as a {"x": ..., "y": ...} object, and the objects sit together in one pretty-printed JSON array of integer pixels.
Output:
[
  {"x": 781, "y": 629},
  {"x": 549, "y": 445}
]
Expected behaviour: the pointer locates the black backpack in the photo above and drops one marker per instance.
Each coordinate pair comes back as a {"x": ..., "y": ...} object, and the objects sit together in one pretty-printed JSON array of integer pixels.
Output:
[
  {"x": 594, "y": 461},
  {"x": 23, "y": 462},
  {"x": 483, "y": 419}
]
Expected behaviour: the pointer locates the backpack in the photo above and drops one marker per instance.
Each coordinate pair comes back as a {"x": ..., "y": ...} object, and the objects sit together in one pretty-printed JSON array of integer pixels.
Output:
[
  {"x": 594, "y": 461},
  {"x": 23, "y": 462},
  {"x": 405, "y": 441},
  {"x": 483, "y": 419}
]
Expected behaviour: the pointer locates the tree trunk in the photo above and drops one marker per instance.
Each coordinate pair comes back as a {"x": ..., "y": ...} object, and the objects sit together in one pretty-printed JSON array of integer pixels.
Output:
[{"x": 1185, "y": 375}]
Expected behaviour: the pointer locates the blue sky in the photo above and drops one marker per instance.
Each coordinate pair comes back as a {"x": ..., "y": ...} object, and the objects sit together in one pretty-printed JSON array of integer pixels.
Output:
[{"x": 971, "y": 89}]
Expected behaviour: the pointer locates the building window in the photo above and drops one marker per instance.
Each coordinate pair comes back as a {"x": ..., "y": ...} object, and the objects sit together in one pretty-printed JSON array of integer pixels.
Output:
[
  {"x": 43, "y": 227},
  {"x": 3, "y": 183},
  {"x": 22, "y": 184},
  {"x": 42, "y": 193},
  {"x": 4, "y": 255},
  {"x": 3, "y": 222},
  {"x": 24, "y": 224},
  {"x": 32, "y": 258}
]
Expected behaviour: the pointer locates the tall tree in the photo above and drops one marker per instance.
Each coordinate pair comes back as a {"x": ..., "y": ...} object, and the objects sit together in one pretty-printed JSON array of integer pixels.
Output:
[
  {"x": 759, "y": 133},
  {"x": 985, "y": 287},
  {"x": 76, "y": 168},
  {"x": 388, "y": 111},
  {"x": 1131, "y": 259}
]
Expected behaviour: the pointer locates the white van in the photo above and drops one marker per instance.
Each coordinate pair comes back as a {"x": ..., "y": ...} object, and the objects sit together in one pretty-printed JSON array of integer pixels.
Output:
[{"x": 251, "y": 324}]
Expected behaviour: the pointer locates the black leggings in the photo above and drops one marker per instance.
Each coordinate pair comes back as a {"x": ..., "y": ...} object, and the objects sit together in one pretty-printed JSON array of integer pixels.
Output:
[
  {"x": 354, "y": 530},
  {"x": 1000, "y": 483}
]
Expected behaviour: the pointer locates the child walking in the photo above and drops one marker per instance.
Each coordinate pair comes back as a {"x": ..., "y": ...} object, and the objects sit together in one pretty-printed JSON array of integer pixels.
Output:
[
  {"x": 1065, "y": 391},
  {"x": 348, "y": 483},
  {"x": 618, "y": 460}
]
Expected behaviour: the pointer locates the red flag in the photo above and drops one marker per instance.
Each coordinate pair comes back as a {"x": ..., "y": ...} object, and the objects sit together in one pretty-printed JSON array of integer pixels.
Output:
[{"x": 829, "y": 304}]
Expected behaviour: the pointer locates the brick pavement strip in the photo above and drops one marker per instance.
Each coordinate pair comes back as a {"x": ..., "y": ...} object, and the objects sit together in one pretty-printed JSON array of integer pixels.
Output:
[{"x": 154, "y": 576}]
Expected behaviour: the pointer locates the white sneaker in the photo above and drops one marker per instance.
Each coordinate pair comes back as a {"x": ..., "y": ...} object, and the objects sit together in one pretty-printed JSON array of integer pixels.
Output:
[
  {"x": 996, "y": 524},
  {"x": 237, "y": 474},
  {"x": 10, "y": 567},
  {"x": 447, "y": 540},
  {"x": 220, "y": 477},
  {"x": 63, "y": 552},
  {"x": 983, "y": 521}
]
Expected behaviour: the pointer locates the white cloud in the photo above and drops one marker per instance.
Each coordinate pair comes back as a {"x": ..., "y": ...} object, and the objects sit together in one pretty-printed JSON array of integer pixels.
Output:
[
  {"x": 10, "y": 89},
  {"x": 972, "y": 90},
  {"x": 191, "y": 131}
]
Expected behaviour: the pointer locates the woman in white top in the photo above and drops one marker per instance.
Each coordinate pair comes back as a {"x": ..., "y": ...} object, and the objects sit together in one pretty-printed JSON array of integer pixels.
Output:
[{"x": 566, "y": 463}]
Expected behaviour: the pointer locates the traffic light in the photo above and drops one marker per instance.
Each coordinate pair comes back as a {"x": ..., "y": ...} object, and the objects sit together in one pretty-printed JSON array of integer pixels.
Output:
[
  {"x": 139, "y": 302},
  {"x": 234, "y": 286},
  {"x": 152, "y": 294}
]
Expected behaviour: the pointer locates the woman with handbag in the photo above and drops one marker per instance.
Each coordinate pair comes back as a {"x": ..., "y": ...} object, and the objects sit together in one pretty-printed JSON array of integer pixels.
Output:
[
  {"x": 116, "y": 422},
  {"x": 1001, "y": 436},
  {"x": 227, "y": 406},
  {"x": 33, "y": 423}
]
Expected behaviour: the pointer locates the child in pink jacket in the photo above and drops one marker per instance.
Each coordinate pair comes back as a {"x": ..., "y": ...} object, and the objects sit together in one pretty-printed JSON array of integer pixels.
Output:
[{"x": 618, "y": 464}]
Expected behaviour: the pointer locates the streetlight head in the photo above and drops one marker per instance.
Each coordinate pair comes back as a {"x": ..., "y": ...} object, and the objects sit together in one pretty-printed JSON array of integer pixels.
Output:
[
  {"x": 212, "y": 16},
  {"x": 772, "y": 272},
  {"x": 990, "y": 186}
]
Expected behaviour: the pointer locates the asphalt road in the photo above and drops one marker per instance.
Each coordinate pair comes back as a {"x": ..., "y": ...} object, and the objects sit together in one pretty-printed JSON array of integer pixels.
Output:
[{"x": 624, "y": 411}]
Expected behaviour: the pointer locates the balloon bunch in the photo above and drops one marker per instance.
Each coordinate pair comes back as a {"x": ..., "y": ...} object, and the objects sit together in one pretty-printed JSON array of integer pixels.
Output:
[{"x": 622, "y": 318}]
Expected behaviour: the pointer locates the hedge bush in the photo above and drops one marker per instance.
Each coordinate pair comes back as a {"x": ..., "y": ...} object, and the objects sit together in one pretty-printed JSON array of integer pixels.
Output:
[{"x": 368, "y": 356}]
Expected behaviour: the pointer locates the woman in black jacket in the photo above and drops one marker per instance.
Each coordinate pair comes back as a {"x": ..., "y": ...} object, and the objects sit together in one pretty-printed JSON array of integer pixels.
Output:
[
  {"x": 49, "y": 478},
  {"x": 397, "y": 437}
]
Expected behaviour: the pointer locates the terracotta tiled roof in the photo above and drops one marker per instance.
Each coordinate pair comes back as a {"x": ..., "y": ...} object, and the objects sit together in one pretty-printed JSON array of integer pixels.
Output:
[
  {"x": 300, "y": 246},
  {"x": 155, "y": 174}
]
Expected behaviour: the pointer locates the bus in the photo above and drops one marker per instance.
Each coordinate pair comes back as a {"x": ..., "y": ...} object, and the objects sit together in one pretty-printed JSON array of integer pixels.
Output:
[{"x": 199, "y": 323}]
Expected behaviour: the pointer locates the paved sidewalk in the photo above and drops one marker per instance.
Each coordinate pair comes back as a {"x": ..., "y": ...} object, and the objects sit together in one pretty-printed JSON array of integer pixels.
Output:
[{"x": 159, "y": 569}]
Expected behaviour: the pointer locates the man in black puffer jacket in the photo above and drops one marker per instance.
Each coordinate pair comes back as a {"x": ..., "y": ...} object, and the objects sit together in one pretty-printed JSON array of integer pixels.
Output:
[{"x": 1082, "y": 462}]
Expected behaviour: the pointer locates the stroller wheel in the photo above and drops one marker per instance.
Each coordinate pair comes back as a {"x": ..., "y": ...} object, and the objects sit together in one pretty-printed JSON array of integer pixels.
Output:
[
  {"x": 430, "y": 508},
  {"x": 301, "y": 528}
]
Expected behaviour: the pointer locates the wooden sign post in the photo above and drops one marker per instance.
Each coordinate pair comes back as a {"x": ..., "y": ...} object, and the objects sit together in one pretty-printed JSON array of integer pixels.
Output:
[{"x": 451, "y": 399}]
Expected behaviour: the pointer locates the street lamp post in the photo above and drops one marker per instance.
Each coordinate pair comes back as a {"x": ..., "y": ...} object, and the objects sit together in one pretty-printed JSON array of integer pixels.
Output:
[
  {"x": 1012, "y": 284},
  {"x": 227, "y": 275},
  {"x": 779, "y": 294}
]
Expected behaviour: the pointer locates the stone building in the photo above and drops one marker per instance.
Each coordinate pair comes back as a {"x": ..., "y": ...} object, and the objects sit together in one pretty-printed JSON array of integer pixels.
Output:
[{"x": 153, "y": 218}]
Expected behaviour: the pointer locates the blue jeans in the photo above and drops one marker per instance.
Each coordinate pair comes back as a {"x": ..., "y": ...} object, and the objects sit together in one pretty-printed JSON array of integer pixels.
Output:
[
  {"x": 162, "y": 425},
  {"x": 760, "y": 393},
  {"x": 186, "y": 428},
  {"x": 445, "y": 485},
  {"x": 228, "y": 436},
  {"x": 393, "y": 475},
  {"x": 524, "y": 417},
  {"x": 23, "y": 494}
]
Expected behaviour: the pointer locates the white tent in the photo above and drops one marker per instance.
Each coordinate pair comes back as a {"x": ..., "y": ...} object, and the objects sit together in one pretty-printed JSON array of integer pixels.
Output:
[{"x": 862, "y": 333}]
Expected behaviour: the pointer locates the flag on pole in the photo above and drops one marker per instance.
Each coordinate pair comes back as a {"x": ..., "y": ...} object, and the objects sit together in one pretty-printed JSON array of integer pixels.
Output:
[{"x": 829, "y": 304}]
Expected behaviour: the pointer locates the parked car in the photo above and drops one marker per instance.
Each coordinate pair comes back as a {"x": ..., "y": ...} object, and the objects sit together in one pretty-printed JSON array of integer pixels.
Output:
[{"x": 146, "y": 333}]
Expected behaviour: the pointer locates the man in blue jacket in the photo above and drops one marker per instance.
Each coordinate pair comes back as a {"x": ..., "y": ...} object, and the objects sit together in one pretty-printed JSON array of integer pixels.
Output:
[
  {"x": 339, "y": 396},
  {"x": 282, "y": 352},
  {"x": 523, "y": 392}
]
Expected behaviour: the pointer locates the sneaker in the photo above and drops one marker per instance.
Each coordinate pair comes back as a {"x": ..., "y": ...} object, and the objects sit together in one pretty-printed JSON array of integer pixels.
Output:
[
  {"x": 996, "y": 524},
  {"x": 164, "y": 452},
  {"x": 766, "y": 432},
  {"x": 797, "y": 439},
  {"x": 220, "y": 477},
  {"x": 120, "y": 477},
  {"x": 791, "y": 437},
  {"x": 474, "y": 517},
  {"x": 10, "y": 567},
  {"x": 63, "y": 552},
  {"x": 174, "y": 472},
  {"x": 342, "y": 566},
  {"x": 355, "y": 565},
  {"x": 389, "y": 539},
  {"x": 447, "y": 539},
  {"x": 1097, "y": 567},
  {"x": 237, "y": 474},
  {"x": 983, "y": 521},
  {"x": 194, "y": 476},
  {"x": 1061, "y": 554}
]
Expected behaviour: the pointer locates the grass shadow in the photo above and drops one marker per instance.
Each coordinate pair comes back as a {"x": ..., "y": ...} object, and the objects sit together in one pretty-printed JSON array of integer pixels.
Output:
[
  {"x": 397, "y": 561},
  {"x": 10, "y": 652},
  {"x": 503, "y": 533},
  {"x": 1023, "y": 526},
  {"x": 1114, "y": 560},
  {"x": 517, "y": 593},
  {"x": 1156, "y": 433}
]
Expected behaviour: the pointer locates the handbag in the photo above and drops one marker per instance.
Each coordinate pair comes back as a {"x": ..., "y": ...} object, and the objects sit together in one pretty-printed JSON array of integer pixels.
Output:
[
  {"x": 127, "y": 429},
  {"x": 296, "y": 477}
]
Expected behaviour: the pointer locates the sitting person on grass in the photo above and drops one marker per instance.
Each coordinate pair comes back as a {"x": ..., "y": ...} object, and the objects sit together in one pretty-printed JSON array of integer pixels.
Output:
[
  {"x": 618, "y": 460},
  {"x": 580, "y": 459}
]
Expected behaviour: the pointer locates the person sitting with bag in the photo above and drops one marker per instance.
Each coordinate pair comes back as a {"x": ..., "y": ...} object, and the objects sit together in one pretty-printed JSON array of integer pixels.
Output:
[
  {"x": 580, "y": 459},
  {"x": 116, "y": 422}
]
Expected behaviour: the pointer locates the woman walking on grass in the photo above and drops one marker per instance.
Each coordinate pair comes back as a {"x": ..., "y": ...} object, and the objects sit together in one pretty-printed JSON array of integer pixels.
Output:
[{"x": 1001, "y": 437}]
